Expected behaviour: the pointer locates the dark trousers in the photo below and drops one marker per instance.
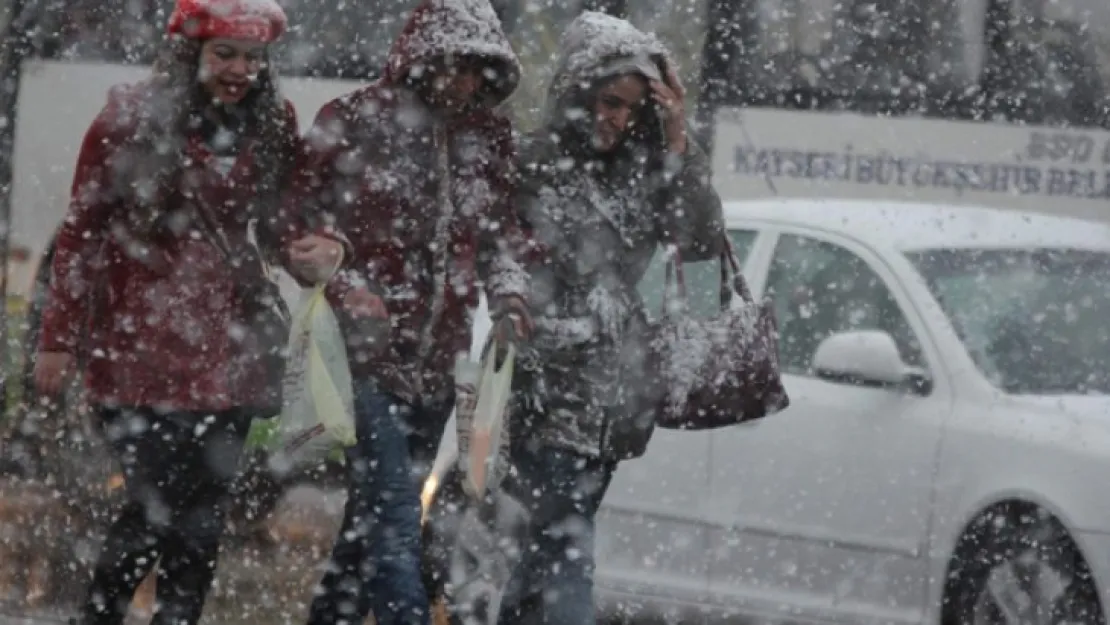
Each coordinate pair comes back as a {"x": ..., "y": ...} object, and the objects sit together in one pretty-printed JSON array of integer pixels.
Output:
[
  {"x": 178, "y": 468},
  {"x": 376, "y": 562},
  {"x": 560, "y": 491}
]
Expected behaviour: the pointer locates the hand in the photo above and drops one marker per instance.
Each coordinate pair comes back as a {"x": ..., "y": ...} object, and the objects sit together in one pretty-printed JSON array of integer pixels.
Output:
[
  {"x": 672, "y": 97},
  {"x": 315, "y": 258},
  {"x": 515, "y": 324},
  {"x": 360, "y": 302},
  {"x": 52, "y": 370}
]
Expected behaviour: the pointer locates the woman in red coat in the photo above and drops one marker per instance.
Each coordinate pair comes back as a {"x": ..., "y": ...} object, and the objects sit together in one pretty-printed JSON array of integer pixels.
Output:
[{"x": 158, "y": 279}]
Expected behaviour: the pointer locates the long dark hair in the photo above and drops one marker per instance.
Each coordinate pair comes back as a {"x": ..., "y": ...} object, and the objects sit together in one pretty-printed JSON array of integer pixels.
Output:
[{"x": 149, "y": 171}]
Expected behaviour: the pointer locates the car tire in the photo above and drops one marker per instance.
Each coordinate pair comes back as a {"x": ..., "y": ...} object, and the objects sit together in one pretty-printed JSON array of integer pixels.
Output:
[{"x": 1021, "y": 567}]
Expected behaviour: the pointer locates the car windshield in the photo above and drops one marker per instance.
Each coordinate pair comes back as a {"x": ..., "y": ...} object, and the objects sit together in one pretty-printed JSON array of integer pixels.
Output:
[{"x": 1034, "y": 321}]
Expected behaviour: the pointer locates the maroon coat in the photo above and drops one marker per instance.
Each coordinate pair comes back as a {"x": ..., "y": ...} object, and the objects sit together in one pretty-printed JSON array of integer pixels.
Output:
[
  {"x": 424, "y": 199},
  {"x": 158, "y": 330}
]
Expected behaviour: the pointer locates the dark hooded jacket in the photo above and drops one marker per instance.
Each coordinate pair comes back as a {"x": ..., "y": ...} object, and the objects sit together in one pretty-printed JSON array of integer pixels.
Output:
[
  {"x": 424, "y": 199},
  {"x": 599, "y": 219}
]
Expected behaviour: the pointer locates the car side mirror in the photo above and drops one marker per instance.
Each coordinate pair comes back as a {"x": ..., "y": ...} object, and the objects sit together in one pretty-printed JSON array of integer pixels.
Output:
[{"x": 867, "y": 358}]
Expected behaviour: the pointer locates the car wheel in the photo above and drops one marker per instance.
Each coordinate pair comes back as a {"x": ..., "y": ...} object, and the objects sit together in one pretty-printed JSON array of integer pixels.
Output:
[{"x": 1022, "y": 568}]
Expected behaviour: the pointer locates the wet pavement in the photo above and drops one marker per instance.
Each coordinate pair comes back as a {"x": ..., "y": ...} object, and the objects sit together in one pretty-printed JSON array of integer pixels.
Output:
[
  {"x": 13, "y": 619},
  {"x": 266, "y": 578}
]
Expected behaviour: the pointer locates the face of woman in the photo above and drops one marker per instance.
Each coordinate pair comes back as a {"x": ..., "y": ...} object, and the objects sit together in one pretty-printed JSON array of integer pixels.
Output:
[
  {"x": 229, "y": 67},
  {"x": 454, "y": 83},
  {"x": 615, "y": 110}
]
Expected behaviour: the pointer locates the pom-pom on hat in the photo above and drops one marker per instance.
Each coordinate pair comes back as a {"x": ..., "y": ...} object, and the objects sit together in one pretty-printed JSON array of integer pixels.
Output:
[{"x": 250, "y": 20}]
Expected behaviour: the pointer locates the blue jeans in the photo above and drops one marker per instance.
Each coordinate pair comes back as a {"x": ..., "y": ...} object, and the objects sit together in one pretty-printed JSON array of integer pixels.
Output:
[
  {"x": 562, "y": 492},
  {"x": 375, "y": 565}
]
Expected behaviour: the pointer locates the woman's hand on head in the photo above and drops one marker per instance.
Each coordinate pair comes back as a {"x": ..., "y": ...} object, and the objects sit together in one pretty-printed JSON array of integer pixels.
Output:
[{"x": 671, "y": 96}]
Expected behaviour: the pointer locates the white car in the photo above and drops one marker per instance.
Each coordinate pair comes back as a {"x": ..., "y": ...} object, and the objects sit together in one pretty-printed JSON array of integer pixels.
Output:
[{"x": 944, "y": 456}]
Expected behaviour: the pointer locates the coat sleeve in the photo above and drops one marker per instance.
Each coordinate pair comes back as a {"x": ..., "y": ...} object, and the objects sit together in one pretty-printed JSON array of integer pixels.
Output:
[
  {"x": 302, "y": 212},
  {"x": 504, "y": 246},
  {"x": 80, "y": 238},
  {"x": 309, "y": 198},
  {"x": 535, "y": 199},
  {"x": 691, "y": 214},
  {"x": 294, "y": 220},
  {"x": 532, "y": 193}
]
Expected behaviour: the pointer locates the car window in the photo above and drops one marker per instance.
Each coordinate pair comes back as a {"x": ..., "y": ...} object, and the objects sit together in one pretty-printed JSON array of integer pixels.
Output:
[
  {"x": 1032, "y": 318},
  {"x": 820, "y": 289},
  {"x": 703, "y": 279}
]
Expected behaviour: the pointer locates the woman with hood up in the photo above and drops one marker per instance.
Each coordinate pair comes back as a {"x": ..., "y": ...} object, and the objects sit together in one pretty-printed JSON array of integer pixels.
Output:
[
  {"x": 610, "y": 177},
  {"x": 157, "y": 282}
]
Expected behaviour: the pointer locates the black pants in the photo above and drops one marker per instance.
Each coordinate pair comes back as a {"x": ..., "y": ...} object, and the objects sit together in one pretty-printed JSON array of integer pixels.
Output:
[{"x": 178, "y": 468}]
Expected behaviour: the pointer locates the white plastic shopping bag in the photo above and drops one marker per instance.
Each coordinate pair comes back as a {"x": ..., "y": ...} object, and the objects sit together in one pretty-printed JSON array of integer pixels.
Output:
[
  {"x": 318, "y": 410},
  {"x": 481, "y": 397}
]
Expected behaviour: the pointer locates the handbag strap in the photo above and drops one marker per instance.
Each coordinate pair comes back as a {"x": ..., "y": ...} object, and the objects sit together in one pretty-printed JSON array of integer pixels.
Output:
[
  {"x": 674, "y": 275},
  {"x": 732, "y": 280}
]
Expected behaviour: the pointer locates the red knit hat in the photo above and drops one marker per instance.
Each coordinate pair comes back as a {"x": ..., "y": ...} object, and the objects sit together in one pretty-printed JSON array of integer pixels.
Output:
[{"x": 252, "y": 20}]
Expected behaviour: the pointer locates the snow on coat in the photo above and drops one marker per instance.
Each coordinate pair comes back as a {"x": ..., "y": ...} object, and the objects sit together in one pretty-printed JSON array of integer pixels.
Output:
[
  {"x": 599, "y": 220},
  {"x": 158, "y": 319},
  {"x": 424, "y": 200}
]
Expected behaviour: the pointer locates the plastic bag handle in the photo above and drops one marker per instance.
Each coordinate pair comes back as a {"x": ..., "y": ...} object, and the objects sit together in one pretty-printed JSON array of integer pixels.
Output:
[{"x": 499, "y": 359}]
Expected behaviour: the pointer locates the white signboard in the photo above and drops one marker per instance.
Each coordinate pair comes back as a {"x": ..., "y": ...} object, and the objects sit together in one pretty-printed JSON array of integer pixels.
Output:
[{"x": 763, "y": 152}]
